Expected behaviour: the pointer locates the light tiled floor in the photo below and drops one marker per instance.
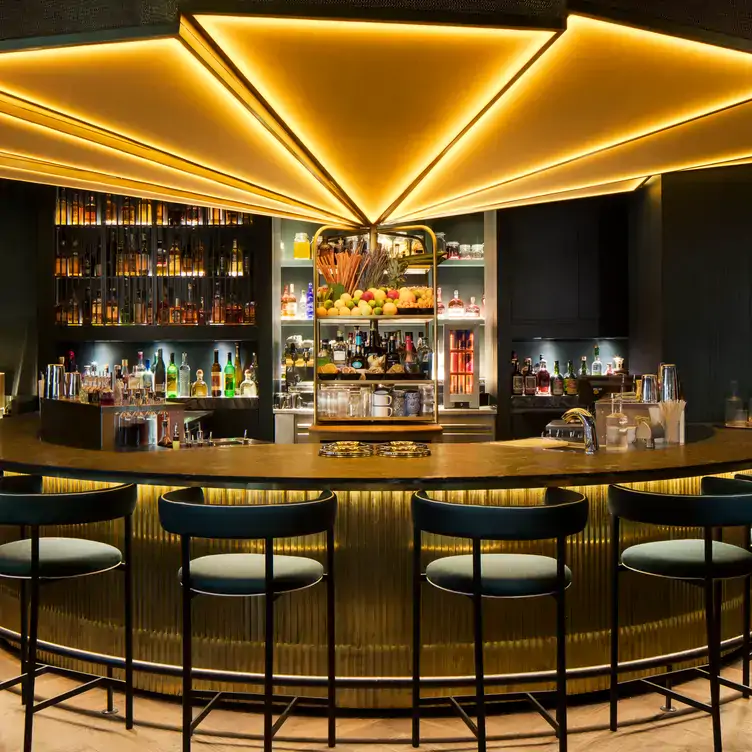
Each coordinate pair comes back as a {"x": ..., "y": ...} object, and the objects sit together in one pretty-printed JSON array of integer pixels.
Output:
[{"x": 79, "y": 726}]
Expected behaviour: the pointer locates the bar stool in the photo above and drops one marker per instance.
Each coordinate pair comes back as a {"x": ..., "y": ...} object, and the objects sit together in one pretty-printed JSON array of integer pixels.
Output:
[
  {"x": 479, "y": 576},
  {"x": 705, "y": 561},
  {"x": 38, "y": 561},
  {"x": 184, "y": 513}
]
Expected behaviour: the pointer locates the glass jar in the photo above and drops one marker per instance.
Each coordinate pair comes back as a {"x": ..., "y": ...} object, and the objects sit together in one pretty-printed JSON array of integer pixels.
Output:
[
  {"x": 465, "y": 251},
  {"x": 441, "y": 244},
  {"x": 452, "y": 250},
  {"x": 477, "y": 250},
  {"x": 301, "y": 248}
]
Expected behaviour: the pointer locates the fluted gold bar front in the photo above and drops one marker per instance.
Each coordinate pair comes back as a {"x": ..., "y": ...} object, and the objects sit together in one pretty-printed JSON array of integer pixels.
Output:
[{"x": 373, "y": 600}]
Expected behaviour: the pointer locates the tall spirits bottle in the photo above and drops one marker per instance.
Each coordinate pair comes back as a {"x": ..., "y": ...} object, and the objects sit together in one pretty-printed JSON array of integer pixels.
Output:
[
  {"x": 439, "y": 305},
  {"x": 161, "y": 260},
  {"x": 199, "y": 388},
  {"x": 74, "y": 264},
  {"x": 128, "y": 212},
  {"x": 310, "y": 301},
  {"x": 284, "y": 302},
  {"x": 216, "y": 376},
  {"x": 136, "y": 378},
  {"x": 139, "y": 309},
  {"x": 160, "y": 375},
  {"x": 61, "y": 208},
  {"x": 531, "y": 380},
  {"x": 176, "y": 313},
  {"x": 90, "y": 210},
  {"x": 229, "y": 377},
  {"x": 237, "y": 363},
  {"x": 145, "y": 258},
  {"x": 120, "y": 258},
  {"x": 96, "y": 309},
  {"x": 518, "y": 380},
  {"x": 112, "y": 309},
  {"x": 172, "y": 378},
  {"x": 189, "y": 315},
  {"x": 184, "y": 378},
  {"x": 584, "y": 367},
  {"x": 75, "y": 209},
  {"x": 186, "y": 261},
  {"x": 173, "y": 260},
  {"x": 110, "y": 211},
  {"x": 236, "y": 265},
  {"x": 339, "y": 351},
  {"x": 147, "y": 379},
  {"x": 597, "y": 368},
  {"x": 544, "y": 378},
  {"x": 557, "y": 381},
  {"x": 570, "y": 380},
  {"x": 292, "y": 303},
  {"x": 86, "y": 308}
]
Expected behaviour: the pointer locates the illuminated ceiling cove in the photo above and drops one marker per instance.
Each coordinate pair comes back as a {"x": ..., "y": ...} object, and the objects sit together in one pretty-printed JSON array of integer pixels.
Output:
[{"x": 363, "y": 123}]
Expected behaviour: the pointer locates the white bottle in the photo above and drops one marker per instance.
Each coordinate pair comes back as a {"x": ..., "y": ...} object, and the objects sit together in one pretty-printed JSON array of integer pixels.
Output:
[
  {"x": 302, "y": 303},
  {"x": 184, "y": 378}
]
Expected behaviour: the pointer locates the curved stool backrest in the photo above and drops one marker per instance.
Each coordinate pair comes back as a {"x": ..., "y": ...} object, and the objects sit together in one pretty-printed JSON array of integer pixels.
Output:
[
  {"x": 720, "y": 505},
  {"x": 184, "y": 512},
  {"x": 563, "y": 513},
  {"x": 23, "y": 503}
]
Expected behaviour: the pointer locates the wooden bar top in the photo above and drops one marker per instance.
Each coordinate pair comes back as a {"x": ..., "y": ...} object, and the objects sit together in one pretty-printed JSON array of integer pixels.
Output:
[{"x": 298, "y": 466}]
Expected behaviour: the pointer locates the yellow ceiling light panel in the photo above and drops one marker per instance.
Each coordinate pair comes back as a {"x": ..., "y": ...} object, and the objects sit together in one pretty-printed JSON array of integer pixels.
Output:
[
  {"x": 35, "y": 141},
  {"x": 599, "y": 84},
  {"x": 157, "y": 93},
  {"x": 374, "y": 103},
  {"x": 604, "y": 189},
  {"x": 719, "y": 137}
]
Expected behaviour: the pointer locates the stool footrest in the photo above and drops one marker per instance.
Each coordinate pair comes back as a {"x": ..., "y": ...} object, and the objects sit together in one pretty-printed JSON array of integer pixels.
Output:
[
  {"x": 725, "y": 682},
  {"x": 98, "y": 682},
  {"x": 469, "y": 722},
  {"x": 206, "y": 710},
  {"x": 677, "y": 696},
  {"x": 21, "y": 677},
  {"x": 547, "y": 717},
  {"x": 284, "y": 715}
]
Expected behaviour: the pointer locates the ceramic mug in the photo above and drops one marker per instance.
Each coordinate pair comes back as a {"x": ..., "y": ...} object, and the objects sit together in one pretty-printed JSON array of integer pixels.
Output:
[
  {"x": 381, "y": 398},
  {"x": 382, "y": 411},
  {"x": 412, "y": 402}
]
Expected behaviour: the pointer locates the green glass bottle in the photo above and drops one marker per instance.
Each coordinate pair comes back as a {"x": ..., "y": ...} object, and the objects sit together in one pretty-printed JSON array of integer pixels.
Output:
[
  {"x": 229, "y": 377},
  {"x": 172, "y": 378}
]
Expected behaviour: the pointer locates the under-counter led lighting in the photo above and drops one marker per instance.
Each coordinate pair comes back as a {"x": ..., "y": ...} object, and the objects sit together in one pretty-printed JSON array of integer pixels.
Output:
[{"x": 405, "y": 121}]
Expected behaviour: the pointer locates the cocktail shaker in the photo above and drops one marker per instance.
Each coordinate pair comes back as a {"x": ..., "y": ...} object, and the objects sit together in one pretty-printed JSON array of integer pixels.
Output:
[
  {"x": 54, "y": 381},
  {"x": 650, "y": 388},
  {"x": 669, "y": 382},
  {"x": 72, "y": 385}
]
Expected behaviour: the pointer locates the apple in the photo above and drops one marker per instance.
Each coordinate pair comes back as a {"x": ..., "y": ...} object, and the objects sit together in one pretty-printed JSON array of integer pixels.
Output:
[
  {"x": 367, "y": 296},
  {"x": 393, "y": 294}
]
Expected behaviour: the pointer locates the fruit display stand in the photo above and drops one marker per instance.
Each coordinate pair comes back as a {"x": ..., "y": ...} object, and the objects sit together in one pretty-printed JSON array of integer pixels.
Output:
[{"x": 358, "y": 283}]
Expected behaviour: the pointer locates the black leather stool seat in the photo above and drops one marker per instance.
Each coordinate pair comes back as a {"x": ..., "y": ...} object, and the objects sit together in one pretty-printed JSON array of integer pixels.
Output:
[
  {"x": 58, "y": 558},
  {"x": 502, "y": 575},
  {"x": 685, "y": 559},
  {"x": 243, "y": 574}
]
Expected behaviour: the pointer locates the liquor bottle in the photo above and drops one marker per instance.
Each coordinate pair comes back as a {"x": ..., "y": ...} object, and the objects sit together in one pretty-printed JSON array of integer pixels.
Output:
[
  {"x": 284, "y": 302},
  {"x": 184, "y": 378},
  {"x": 218, "y": 308},
  {"x": 570, "y": 380},
  {"x": 439, "y": 305},
  {"x": 90, "y": 210},
  {"x": 160, "y": 378},
  {"x": 61, "y": 208},
  {"x": 199, "y": 388},
  {"x": 128, "y": 212},
  {"x": 144, "y": 212},
  {"x": 147, "y": 378},
  {"x": 357, "y": 359},
  {"x": 229, "y": 377},
  {"x": 60, "y": 265},
  {"x": 132, "y": 257},
  {"x": 160, "y": 212},
  {"x": 557, "y": 381},
  {"x": 149, "y": 310},
  {"x": 163, "y": 308},
  {"x": 216, "y": 376},
  {"x": 339, "y": 351},
  {"x": 75, "y": 208},
  {"x": 120, "y": 259},
  {"x": 110, "y": 213},
  {"x": 96, "y": 309},
  {"x": 310, "y": 301},
  {"x": 201, "y": 314},
  {"x": 455, "y": 307},
  {"x": 74, "y": 263},
  {"x": 584, "y": 367},
  {"x": 189, "y": 316},
  {"x": 544, "y": 378},
  {"x": 425, "y": 354},
  {"x": 236, "y": 269},
  {"x": 472, "y": 309},
  {"x": 531, "y": 380},
  {"x": 198, "y": 259},
  {"x": 112, "y": 309},
  {"x": 145, "y": 258},
  {"x": 249, "y": 312},
  {"x": 87, "y": 263},
  {"x": 161, "y": 260},
  {"x": 125, "y": 310},
  {"x": 597, "y": 368},
  {"x": 302, "y": 305},
  {"x": 139, "y": 310},
  {"x": 176, "y": 313},
  {"x": 392, "y": 356},
  {"x": 246, "y": 264},
  {"x": 248, "y": 385},
  {"x": 518, "y": 380},
  {"x": 186, "y": 261},
  {"x": 171, "y": 387},
  {"x": 292, "y": 303},
  {"x": 136, "y": 378},
  {"x": 173, "y": 260},
  {"x": 237, "y": 363}
]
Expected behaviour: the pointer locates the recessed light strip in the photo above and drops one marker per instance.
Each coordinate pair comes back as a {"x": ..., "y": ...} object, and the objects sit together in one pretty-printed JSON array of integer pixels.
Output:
[
  {"x": 197, "y": 40},
  {"x": 49, "y": 118}
]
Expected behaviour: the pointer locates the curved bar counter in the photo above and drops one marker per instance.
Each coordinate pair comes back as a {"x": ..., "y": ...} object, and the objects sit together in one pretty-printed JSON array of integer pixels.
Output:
[{"x": 373, "y": 575}]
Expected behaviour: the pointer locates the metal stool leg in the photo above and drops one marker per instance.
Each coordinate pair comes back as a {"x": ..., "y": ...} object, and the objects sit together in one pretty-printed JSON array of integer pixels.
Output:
[
  {"x": 128, "y": 588},
  {"x": 416, "y": 637},
  {"x": 714, "y": 662},
  {"x": 268, "y": 645},
  {"x": 614, "y": 673},
  {"x": 31, "y": 662},
  {"x": 561, "y": 648},
  {"x": 187, "y": 645},
  {"x": 331, "y": 640},
  {"x": 745, "y": 636},
  {"x": 24, "y": 604},
  {"x": 480, "y": 690}
]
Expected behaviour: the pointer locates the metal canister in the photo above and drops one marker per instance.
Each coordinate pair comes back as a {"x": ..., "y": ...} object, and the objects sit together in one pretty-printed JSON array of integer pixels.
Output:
[
  {"x": 669, "y": 382},
  {"x": 72, "y": 385},
  {"x": 54, "y": 381},
  {"x": 650, "y": 388}
]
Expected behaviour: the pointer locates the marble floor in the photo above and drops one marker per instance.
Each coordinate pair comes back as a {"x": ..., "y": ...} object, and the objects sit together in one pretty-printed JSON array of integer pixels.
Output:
[{"x": 79, "y": 726}]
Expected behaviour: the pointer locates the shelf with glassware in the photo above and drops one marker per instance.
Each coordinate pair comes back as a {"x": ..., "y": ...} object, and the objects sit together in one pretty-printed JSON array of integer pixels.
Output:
[
  {"x": 369, "y": 367},
  {"x": 122, "y": 262}
]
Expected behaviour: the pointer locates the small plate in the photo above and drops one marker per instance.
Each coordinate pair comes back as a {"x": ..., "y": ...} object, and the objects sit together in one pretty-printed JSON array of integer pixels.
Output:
[
  {"x": 403, "y": 449},
  {"x": 346, "y": 449}
]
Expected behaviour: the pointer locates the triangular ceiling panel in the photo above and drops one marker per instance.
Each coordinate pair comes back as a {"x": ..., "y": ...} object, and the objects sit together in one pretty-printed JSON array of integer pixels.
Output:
[
  {"x": 374, "y": 102},
  {"x": 600, "y": 83},
  {"x": 157, "y": 93}
]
